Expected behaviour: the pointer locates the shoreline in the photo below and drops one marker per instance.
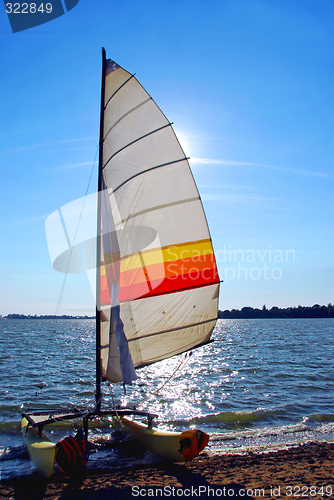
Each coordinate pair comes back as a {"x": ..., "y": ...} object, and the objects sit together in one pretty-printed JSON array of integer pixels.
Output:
[{"x": 304, "y": 471}]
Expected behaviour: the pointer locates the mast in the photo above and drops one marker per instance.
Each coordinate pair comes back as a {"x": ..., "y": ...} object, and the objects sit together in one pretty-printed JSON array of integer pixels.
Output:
[{"x": 98, "y": 392}]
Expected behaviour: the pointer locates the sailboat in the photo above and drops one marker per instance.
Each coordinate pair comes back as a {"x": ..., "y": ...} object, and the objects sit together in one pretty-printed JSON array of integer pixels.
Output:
[{"x": 157, "y": 284}]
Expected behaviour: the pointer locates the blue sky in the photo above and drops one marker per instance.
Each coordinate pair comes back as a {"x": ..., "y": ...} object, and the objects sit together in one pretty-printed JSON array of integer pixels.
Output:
[{"x": 249, "y": 87}]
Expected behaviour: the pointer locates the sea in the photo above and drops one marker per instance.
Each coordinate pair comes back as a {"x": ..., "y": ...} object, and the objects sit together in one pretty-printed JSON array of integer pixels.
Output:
[{"x": 260, "y": 385}]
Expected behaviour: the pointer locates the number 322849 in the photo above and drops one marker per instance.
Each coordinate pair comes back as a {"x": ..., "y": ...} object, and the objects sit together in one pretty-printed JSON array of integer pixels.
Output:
[{"x": 28, "y": 8}]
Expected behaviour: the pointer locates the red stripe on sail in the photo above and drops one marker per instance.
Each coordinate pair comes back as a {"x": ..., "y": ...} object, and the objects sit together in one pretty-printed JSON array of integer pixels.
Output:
[
  {"x": 169, "y": 285},
  {"x": 104, "y": 291},
  {"x": 164, "y": 277}
]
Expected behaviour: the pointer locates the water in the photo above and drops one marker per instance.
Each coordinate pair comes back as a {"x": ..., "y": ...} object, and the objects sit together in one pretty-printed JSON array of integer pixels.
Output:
[{"x": 262, "y": 384}]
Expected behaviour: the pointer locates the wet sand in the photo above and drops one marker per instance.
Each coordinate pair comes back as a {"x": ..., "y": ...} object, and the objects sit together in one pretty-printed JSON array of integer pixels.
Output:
[{"x": 305, "y": 471}]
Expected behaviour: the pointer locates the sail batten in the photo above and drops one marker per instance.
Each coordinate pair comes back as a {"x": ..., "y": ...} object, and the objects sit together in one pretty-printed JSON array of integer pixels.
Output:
[
  {"x": 127, "y": 114},
  {"x": 173, "y": 329},
  {"x": 148, "y": 170},
  {"x": 186, "y": 349},
  {"x": 159, "y": 207},
  {"x": 123, "y": 84},
  {"x": 137, "y": 140},
  {"x": 158, "y": 277}
]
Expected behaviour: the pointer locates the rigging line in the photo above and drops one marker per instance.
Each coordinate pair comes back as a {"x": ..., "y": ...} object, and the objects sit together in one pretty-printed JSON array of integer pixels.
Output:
[
  {"x": 76, "y": 232},
  {"x": 186, "y": 357},
  {"x": 115, "y": 409},
  {"x": 136, "y": 140}
]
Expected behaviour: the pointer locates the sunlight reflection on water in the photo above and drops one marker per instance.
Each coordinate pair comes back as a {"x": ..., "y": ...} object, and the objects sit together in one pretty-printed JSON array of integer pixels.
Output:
[{"x": 260, "y": 382}]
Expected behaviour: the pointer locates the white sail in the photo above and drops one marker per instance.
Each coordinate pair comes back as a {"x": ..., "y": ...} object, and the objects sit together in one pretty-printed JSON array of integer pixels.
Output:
[{"x": 158, "y": 278}]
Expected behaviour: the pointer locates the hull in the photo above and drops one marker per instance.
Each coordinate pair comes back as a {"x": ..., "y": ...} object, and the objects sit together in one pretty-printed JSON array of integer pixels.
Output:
[
  {"x": 41, "y": 449},
  {"x": 174, "y": 446}
]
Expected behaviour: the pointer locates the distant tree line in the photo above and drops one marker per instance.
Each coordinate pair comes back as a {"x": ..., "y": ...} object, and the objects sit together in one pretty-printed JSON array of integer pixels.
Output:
[
  {"x": 315, "y": 311},
  {"x": 47, "y": 316}
]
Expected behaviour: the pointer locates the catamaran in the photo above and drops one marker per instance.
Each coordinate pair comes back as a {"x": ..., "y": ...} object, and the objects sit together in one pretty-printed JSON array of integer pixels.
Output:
[{"x": 157, "y": 284}]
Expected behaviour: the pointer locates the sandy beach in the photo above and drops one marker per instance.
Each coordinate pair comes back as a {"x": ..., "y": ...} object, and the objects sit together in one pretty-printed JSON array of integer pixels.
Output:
[{"x": 305, "y": 471}]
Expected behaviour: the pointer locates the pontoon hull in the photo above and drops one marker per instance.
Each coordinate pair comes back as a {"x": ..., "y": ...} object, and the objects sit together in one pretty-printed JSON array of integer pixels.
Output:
[
  {"x": 41, "y": 449},
  {"x": 164, "y": 443}
]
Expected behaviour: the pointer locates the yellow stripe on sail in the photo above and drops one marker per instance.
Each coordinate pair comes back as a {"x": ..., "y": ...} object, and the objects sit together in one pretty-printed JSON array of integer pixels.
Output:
[
  {"x": 171, "y": 253},
  {"x": 187, "y": 250}
]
